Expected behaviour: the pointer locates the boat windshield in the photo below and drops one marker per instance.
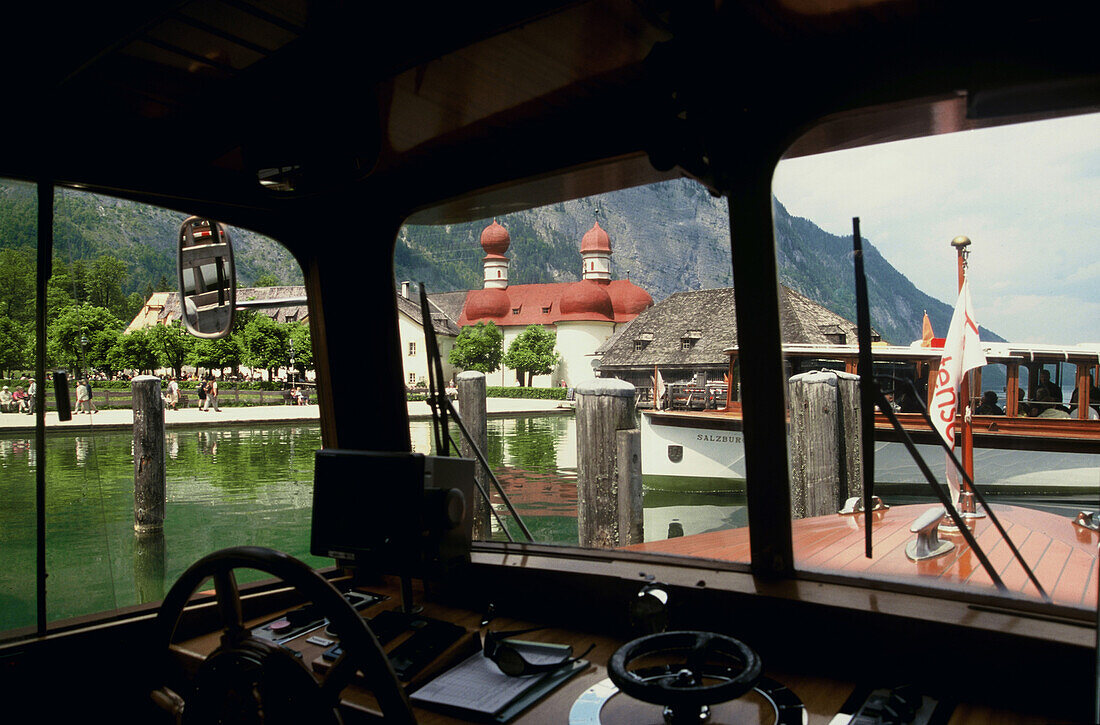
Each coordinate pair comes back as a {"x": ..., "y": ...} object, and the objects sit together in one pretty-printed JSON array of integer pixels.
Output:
[
  {"x": 237, "y": 457},
  {"x": 1004, "y": 208}
]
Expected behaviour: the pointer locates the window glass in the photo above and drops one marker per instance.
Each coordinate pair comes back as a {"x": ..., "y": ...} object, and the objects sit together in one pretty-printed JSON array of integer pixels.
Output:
[
  {"x": 634, "y": 287},
  {"x": 18, "y": 261},
  {"x": 1013, "y": 206},
  {"x": 238, "y": 461}
]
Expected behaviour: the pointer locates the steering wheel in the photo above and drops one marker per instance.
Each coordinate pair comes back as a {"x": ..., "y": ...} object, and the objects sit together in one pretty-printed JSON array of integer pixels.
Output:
[
  {"x": 681, "y": 685},
  {"x": 247, "y": 679}
]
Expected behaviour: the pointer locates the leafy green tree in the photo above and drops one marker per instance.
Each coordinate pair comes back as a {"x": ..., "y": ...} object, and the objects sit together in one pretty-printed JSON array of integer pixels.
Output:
[
  {"x": 217, "y": 354},
  {"x": 478, "y": 347},
  {"x": 136, "y": 350},
  {"x": 264, "y": 343},
  {"x": 96, "y": 324},
  {"x": 532, "y": 353},
  {"x": 104, "y": 284},
  {"x": 17, "y": 269},
  {"x": 13, "y": 346},
  {"x": 267, "y": 279},
  {"x": 173, "y": 345}
]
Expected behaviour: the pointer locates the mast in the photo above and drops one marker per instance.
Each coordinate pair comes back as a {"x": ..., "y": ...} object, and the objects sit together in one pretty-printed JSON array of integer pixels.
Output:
[{"x": 966, "y": 495}]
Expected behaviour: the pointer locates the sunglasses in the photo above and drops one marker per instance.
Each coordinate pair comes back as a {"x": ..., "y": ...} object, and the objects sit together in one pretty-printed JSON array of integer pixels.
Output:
[{"x": 512, "y": 663}]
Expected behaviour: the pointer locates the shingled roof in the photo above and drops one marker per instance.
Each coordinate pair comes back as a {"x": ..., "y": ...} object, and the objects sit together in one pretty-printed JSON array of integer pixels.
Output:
[
  {"x": 692, "y": 329},
  {"x": 164, "y": 307},
  {"x": 441, "y": 322}
]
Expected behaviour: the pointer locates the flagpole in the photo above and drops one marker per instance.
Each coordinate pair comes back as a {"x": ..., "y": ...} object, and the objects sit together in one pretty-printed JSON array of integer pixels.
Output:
[{"x": 966, "y": 496}]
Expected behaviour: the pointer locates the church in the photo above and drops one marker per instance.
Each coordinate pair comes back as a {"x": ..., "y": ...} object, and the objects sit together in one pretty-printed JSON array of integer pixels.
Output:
[{"x": 583, "y": 314}]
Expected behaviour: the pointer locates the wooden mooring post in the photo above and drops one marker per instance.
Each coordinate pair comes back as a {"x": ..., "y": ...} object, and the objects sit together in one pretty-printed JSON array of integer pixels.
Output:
[
  {"x": 472, "y": 408},
  {"x": 825, "y": 450},
  {"x": 609, "y": 475},
  {"x": 149, "y": 471}
]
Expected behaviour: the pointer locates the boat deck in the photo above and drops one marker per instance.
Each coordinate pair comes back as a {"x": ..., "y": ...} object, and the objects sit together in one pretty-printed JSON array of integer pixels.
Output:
[{"x": 1062, "y": 554}]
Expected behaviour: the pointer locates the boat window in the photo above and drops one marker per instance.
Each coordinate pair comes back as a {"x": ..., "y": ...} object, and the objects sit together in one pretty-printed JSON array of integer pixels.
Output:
[
  {"x": 930, "y": 211},
  {"x": 18, "y": 259},
  {"x": 659, "y": 328},
  {"x": 236, "y": 471}
]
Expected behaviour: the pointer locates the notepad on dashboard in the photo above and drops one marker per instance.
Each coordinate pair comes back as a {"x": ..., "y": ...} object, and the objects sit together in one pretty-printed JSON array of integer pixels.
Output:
[{"x": 476, "y": 688}]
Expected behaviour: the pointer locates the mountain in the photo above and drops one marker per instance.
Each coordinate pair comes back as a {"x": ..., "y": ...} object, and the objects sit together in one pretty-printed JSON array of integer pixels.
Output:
[
  {"x": 671, "y": 237},
  {"x": 87, "y": 226},
  {"x": 667, "y": 238}
]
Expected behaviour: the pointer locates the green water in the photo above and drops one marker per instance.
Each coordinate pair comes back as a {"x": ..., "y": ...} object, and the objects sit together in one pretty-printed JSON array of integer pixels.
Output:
[{"x": 237, "y": 486}]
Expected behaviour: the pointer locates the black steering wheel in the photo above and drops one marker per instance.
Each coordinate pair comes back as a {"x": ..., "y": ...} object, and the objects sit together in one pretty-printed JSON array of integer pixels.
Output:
[
  {"x": 688, "y": 661},
  {"x": 247, "y": 679}
]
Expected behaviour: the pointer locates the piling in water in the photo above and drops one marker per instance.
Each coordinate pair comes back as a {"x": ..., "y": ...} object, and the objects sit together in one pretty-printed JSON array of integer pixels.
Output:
[
  {"x": 826, "y": 466},
  {"x": 609, "y": 479},
  {"x": 149, "y": 471},
  {"x": 472, "y": 408}
]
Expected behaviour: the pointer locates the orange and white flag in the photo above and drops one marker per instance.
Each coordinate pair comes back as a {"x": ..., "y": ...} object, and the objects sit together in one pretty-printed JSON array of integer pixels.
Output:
[
  {"x": 962, "y": 352},
  {"x": 926, "y": 333}
]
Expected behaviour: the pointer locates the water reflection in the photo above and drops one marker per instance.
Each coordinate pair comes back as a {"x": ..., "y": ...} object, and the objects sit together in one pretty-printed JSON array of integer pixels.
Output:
[
  {"x": 535, "y": 459},
  {"x": 247, "y": 486}
]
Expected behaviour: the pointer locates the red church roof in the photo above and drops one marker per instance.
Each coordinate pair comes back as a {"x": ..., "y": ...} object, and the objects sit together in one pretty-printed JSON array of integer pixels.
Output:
[{"x": 547, "y": 304}]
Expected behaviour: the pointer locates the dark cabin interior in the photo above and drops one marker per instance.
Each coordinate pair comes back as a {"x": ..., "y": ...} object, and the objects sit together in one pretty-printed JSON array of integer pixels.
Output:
[{"x": 365, "y": 116}]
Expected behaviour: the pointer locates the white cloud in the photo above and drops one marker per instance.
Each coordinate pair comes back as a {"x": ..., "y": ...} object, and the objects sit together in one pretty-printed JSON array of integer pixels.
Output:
[{"x": 1025, "y": 195}]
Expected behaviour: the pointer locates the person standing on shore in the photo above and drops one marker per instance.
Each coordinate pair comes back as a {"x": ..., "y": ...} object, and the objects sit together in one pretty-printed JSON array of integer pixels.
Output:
[
  {"x": 202, "y": 396},
  {"x": 173, "y": 397},
  {"x": 32, "y": 397},
  {"x": 212, "y": 394}
]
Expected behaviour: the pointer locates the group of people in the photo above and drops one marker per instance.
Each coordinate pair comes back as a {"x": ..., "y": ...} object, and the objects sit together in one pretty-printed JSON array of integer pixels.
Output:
[
  {"x": 19, "y": 401},
  {"x": 207, "y": 392},
  {"x": 1046, "y": 403}
]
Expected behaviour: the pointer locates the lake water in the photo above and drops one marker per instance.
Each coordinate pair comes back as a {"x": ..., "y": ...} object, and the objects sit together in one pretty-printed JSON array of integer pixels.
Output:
[{"x": 238, "y": 486}]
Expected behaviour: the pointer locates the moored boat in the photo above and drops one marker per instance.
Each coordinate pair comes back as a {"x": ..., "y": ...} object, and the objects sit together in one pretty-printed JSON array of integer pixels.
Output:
[{"x": 1035, "y": 445}]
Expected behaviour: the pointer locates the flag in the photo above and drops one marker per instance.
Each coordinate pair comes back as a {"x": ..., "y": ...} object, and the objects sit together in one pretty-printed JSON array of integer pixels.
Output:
[
  {"x": 926, "y": 334},
  {"x": 658, "y": 388},
  {"x": 962, "y": 352}
]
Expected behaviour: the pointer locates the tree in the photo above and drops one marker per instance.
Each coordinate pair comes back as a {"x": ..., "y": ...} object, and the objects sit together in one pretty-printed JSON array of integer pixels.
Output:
[
  {"x": 267, "y": 279},
  {"x": 104, "y": 284},
  {"x": 135, "y": 350},
  {"x": 96, "y": 324},
  {"x": 13, "y": 346},
  {"x": 264, "y": 343},
  {"x": 478, "y": 347},
  {"x": 532, "y": 353},
  {"x": 17, "y": 284},
  {"x": 216, "y": 354},
  {"x": 173, "y": 345}
]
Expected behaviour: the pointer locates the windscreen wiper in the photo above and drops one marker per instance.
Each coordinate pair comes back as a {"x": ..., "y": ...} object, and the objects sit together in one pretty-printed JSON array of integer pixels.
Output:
[
  {"x": 441, "y": 405},
  {"x": 869, "y": 391}
]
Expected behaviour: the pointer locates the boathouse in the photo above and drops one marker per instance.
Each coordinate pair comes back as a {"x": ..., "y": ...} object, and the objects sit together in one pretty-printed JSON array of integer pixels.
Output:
[{"x": 685, "y": 337}]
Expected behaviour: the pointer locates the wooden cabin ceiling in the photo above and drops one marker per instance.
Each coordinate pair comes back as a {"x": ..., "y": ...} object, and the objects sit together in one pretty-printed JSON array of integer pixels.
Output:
[{"x": 191, "y": 98}]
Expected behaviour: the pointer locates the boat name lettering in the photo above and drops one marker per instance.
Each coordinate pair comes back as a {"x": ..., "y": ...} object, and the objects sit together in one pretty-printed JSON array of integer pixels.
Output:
[{"x": 718, "y": 438}]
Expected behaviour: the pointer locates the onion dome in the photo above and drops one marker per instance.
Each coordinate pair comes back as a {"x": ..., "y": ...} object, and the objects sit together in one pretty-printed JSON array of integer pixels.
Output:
[
  {"x": 595, "y": 240},
  {"x": 488, "y": 302},
  {"x": 495, "y": 239},
  {"x": 587, "y": 297},
  {"x": 629, "y": 299}
]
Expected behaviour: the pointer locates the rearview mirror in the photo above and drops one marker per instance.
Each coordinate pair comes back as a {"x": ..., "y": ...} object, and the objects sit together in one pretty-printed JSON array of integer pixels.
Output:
[{"x": 207, "y": 279}]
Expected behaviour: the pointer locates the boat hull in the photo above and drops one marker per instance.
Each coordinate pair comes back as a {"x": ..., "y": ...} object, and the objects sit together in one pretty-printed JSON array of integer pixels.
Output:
[{"x": 695, "y": 452}]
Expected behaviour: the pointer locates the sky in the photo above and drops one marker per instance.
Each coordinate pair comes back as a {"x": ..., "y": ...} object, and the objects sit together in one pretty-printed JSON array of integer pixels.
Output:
[{"x": 1027, "y": 196}]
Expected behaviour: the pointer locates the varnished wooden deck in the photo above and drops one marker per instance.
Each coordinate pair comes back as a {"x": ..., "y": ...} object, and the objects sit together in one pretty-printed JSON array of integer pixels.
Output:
[{"x": 1062, "y": 555}]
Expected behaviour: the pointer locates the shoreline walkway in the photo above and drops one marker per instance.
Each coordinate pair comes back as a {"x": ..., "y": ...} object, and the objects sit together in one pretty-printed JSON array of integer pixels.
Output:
[{"x": 123, "y": 418}]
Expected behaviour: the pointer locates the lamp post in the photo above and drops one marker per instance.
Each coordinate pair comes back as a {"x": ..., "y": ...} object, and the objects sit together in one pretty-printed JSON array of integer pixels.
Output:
[
  {"x": 292, "y": 376},
  {"x": 83, "y": 353}
]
